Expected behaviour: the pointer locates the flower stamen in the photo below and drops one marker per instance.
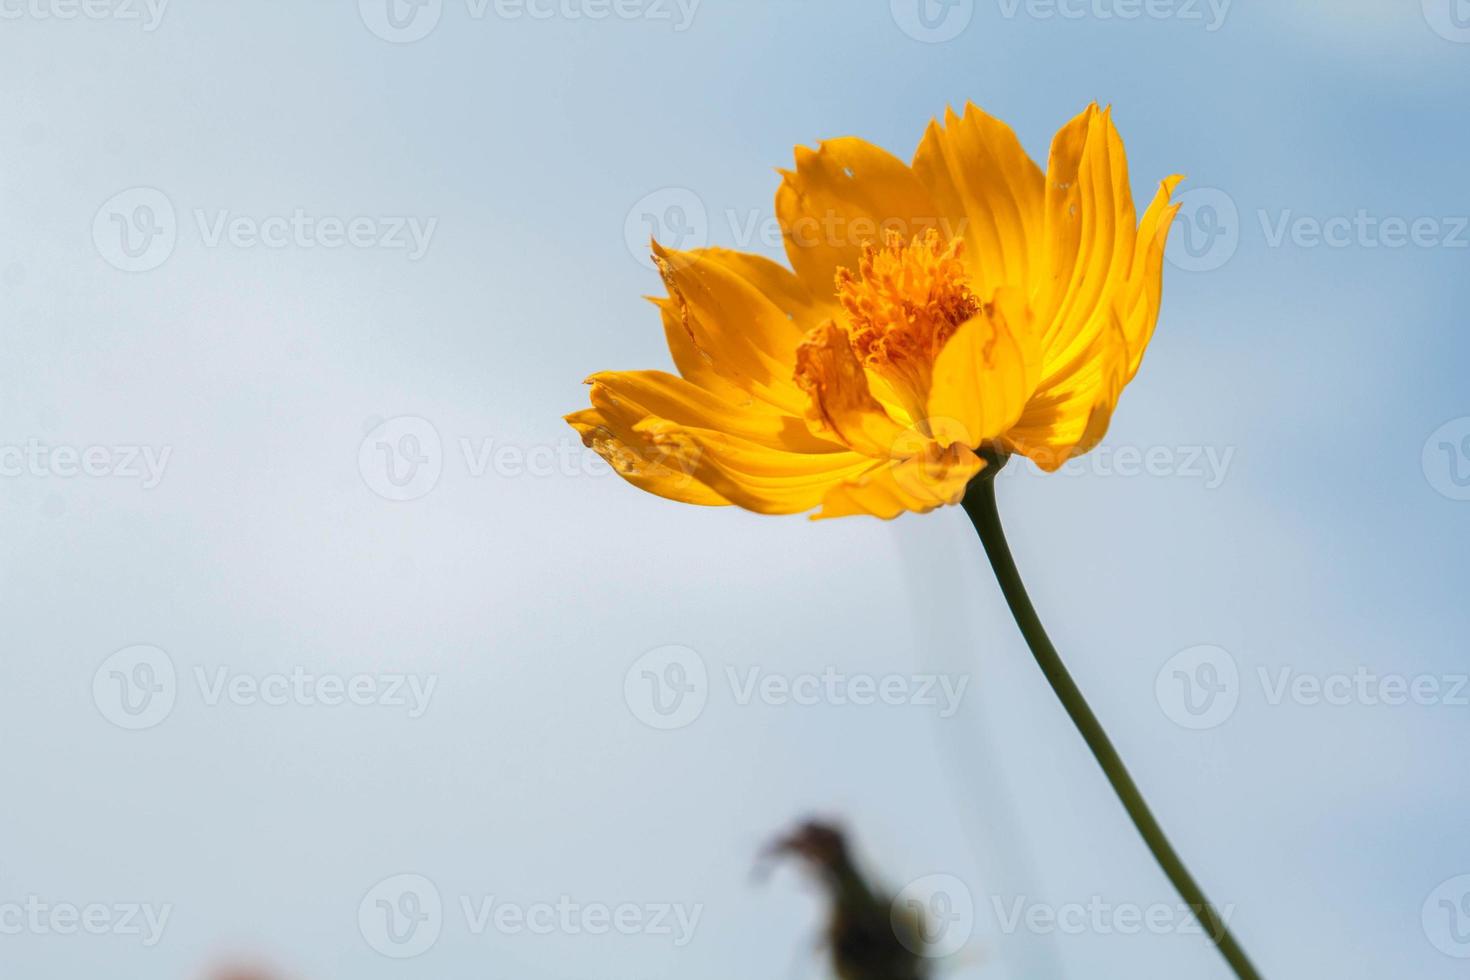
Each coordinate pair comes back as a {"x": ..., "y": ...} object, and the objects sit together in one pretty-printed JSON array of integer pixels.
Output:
[{"x": 903, "y": 303}]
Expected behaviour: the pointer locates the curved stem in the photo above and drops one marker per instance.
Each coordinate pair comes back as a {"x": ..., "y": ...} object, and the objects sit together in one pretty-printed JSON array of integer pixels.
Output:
[{"x": 979, "y": 503}]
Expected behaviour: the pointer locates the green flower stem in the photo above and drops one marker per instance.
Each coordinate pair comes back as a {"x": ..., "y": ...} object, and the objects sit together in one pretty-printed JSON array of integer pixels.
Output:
[{"x": 979, "y": 503}]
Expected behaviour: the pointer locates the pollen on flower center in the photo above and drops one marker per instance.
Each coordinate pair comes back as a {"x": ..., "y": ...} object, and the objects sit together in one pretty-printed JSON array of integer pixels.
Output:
[{"x": 903, "y": 302}]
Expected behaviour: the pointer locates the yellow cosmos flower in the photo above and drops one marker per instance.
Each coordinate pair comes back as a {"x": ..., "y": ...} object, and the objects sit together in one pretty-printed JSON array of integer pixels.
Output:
[{"x": 935, "y": 314}]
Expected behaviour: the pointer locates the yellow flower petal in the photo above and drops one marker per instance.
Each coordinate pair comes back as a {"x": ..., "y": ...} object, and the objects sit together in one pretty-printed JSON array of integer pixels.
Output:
[
  {"x": 745, "y": 337},
  {"x": 1089, "y": 237},
  {"x": 920, "y": 483},
  {"x": 1089, "y": 245},
  {"x": 693, "y": 364},
  {"x": 1071, "y": 416},
  {"x": 768, "y": 481},
  {"x": 985, "y": 373},
  {"x": 642, "y": 394},
  {"x": 638, "y": 461},
  {"x": 1141, "y": 296},
  {"x": 779, "y": 285},
  {"x": 841, "y": 196},
  {"x": 977, "y": 172}
]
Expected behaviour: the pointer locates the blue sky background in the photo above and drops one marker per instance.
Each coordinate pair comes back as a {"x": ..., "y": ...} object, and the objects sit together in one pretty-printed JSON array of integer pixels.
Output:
[{"x": 1332, "y": 543}]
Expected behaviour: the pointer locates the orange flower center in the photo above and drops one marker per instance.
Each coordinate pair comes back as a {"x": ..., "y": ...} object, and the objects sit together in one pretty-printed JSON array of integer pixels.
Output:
[{"x": 905, "y": 300}]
